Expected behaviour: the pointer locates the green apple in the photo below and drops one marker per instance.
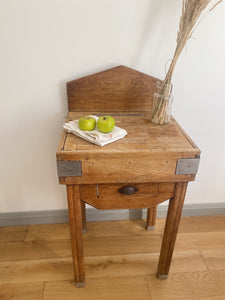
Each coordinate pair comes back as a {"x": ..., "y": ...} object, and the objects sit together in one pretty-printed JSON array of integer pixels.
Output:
[
  {"x": 87, "y": 123},
  {"x": 105, "y": 124}
]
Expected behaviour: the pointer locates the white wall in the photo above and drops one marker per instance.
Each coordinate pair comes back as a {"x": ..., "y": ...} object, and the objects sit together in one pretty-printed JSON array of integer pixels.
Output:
[{"x": 46, "y": 43}]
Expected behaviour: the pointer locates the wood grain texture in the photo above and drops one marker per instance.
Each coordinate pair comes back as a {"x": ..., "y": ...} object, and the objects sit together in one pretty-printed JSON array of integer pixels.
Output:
[
  {"x": 13, "y": 233},
  {"x": 149, "y": 153},
  {"x": 201, "y": 240},
  {"x": 184, "y": 133},
  {"x": 142, "y": 134},
  {"x": 84, "y": 221},
  {"x": 75, "y": 217},
  {"x": 108, "y": 196},
  {"x": 187, "y": 285},
  {"x": 48, "y": 232},
  {"x": 62, "y": 140},
  {"x": 215, "y": 258},
  {"x": 22, "y": 291},
  {"x": 116, "y": 89},
  {"x": 209, "y": 226},
  {"x": 107, "y": 266},
  {"x": 104, "y": 238},
  {"x": 92, "y": 246},
  {"x": 151, "y": 216},
  {"x": 37, "y": 249},
  {"x": 125, "y": 256},
  {"x": 115, "y": 246},
  {"x": 132, "y": 288},
  {"x": 122, "y": 228},
  {"x": 36, "y": 270},
  {"x": 141, "y": 264},
  {"x": 206, "y": 298},
  {"x": 202, "y": 224},
  {"x": 136, "y": 167},
  {"x": 171, "y": 229}
]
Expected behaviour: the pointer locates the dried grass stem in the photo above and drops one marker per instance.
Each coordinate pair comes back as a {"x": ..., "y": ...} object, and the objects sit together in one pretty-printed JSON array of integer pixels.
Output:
[{"x": 192, "y": 10}]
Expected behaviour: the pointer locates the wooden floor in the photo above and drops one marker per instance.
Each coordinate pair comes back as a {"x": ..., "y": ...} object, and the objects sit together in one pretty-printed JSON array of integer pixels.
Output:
[{"x": 120, "y": 258}]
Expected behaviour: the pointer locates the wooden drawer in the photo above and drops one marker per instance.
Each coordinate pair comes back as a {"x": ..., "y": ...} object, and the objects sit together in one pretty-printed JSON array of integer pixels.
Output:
[{"x": 123, "y": 196}]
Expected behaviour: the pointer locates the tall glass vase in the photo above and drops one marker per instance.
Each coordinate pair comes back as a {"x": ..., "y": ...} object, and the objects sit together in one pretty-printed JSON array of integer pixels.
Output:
[{"x": 162, "y": 104}]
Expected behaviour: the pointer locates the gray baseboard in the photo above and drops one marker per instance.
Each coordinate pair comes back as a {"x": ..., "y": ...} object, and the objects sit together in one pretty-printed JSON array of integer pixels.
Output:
[{"x": 61, "y": 216}]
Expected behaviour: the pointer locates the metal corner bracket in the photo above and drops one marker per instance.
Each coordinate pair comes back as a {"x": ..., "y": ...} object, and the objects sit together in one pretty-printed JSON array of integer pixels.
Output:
[
  {"x": 69, "y": 168},
  {"x": 187, "y": 166}
]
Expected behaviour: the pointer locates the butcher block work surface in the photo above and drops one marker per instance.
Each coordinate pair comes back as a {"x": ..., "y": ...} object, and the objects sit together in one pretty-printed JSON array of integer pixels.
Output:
[{"x": 149, "y": 152}]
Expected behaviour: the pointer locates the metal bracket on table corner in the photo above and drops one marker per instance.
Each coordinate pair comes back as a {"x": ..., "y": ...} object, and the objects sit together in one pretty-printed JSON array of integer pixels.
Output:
[
  {"x": 69, "y": 168},
  {"x": 187, "y": 166}
]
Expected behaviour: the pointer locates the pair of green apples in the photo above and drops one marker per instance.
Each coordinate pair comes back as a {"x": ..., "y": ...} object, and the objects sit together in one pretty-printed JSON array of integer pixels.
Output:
[{"x": 104, "y": 124}]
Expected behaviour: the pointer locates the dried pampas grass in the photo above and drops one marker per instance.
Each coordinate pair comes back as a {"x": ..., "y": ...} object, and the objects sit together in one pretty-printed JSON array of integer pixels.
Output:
[{"x": 192, "y": 12}]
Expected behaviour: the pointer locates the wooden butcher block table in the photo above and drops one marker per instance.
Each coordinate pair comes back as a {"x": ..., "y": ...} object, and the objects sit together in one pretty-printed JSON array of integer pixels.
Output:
[{"x": 152, "y": 164}]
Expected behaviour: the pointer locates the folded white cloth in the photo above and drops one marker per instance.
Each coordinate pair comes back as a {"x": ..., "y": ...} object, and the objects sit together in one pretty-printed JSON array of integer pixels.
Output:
[{"x": 95, "y": 136}]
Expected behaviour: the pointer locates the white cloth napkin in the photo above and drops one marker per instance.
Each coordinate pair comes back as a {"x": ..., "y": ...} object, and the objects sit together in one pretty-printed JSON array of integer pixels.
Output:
[{"x": 95, "y": 136}]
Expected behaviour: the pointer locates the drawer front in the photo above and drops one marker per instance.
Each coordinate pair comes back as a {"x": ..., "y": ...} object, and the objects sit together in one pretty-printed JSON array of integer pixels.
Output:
[{"x": 123, "y": 196}]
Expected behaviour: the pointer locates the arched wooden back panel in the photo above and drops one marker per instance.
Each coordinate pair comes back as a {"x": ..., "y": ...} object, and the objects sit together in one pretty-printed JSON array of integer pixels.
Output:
[{"x": 120, "y": 89}]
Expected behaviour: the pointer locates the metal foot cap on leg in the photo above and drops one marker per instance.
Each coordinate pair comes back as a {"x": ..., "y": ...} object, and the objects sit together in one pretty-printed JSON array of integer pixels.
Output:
[
  {"x": 162, "y": 276},
  {"x": 150, "y": 228},
  {"x": 80, "y": 284}
]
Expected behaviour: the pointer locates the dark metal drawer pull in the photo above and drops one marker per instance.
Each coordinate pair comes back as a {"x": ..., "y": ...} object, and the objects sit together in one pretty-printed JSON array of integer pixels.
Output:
[{"x": 127, "y": 190}]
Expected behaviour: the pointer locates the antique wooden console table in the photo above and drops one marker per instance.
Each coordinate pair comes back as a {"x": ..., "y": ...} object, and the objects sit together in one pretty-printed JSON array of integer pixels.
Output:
[{"x": 152, "y": 164}]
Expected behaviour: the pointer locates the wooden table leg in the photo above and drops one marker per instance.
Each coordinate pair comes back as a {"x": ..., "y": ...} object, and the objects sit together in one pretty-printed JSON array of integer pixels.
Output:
[
  {"x": 171, "y": 228},
  {"x": 75, "y": 216},
  {"x": 151, "y": 216},
  {"x": 83, "y": 210}
]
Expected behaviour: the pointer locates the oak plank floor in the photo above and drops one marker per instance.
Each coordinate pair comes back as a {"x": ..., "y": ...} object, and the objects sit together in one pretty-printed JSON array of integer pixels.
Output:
[
  {"x": 132, "y": 288},
  {"x": 24, "y": 291},
  {"x": 190, "y": 284},
  {"x": 13, "y": 233},
  {"x": 120, "y": 258},
  {"x": 98, "y": 266}
]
